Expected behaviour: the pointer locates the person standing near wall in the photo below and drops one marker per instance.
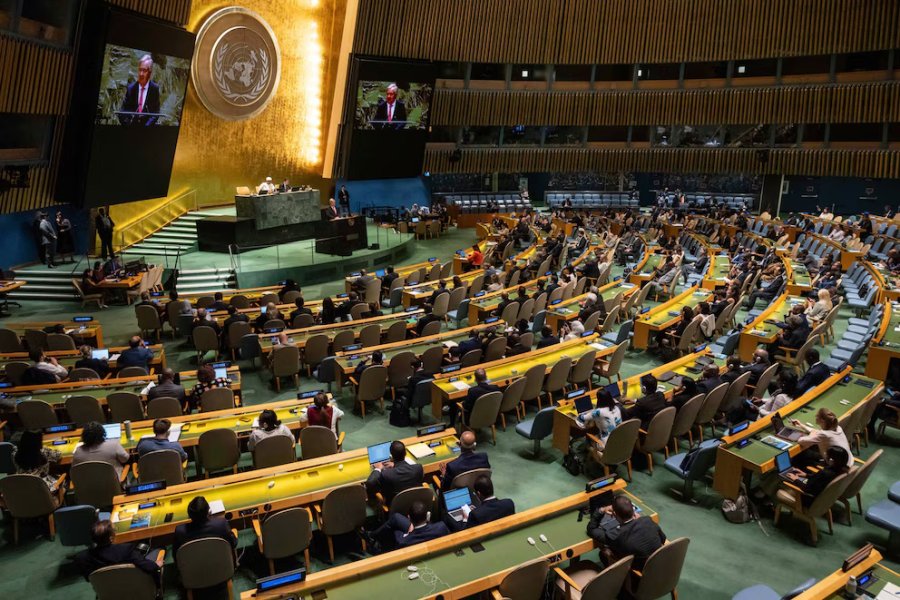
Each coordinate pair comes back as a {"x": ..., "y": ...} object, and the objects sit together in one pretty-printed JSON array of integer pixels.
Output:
[{"x": 104, "y": 226}]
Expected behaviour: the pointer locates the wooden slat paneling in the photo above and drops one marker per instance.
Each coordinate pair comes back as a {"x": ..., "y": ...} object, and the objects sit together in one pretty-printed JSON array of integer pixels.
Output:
[
  {"x": 622, "y": 31},
  {"x": 838, "y": 163},
  {"x": 829, "y": 103}
]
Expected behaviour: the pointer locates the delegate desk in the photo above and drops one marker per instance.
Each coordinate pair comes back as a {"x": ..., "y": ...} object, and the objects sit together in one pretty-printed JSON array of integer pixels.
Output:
[
  {"x": 7, "y": 286},
  {"x": 68, "y": 358},
  {"x": 889, "y": 283},
  {"x": 799, "y": 282},
  {"x": 459, "y": 260},
  {"x": 666, "y": 315},
  {"x": 292, "y": 413},
  {"x": 832, "y": 587},
  {"x": 299, "y": 337},
  {"x": 734, "y": 464},
  {"x": 718, "y": 270},
  {"x": 567, "y": 310},
  {"x": 261, "y": 490},
  {"x": 481, "y": 307},
  {"x": 458, "y": 571},
  {"x": 416, "y": 295},
  {"x": 424, "y": 268},
  {"x": 885, "y": 345},
  {"x": 84, "y": 333},
  {"x": 253, "y": 294},
  {"x": 643, "y": 272},
  {"x": 564, "y": 424},
  {"x": 453, "y": 386},
  {"x": 764, "y": 328}
]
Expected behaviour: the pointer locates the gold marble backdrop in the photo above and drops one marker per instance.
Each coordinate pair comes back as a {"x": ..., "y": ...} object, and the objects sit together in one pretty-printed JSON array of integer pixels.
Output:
[{"x": 286, "y": 139}]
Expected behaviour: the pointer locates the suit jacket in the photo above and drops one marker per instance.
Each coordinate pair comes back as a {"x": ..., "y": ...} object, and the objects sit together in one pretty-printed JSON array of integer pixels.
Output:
[
  {"x": 491, "y": 510},
  {"x": 381, "y": 114},
  {"x": 468, "y": 345},
  {"x": 772, "y": 288},
  {"x": 167, "y": 389},
  {"x": 816, "y": 374},
  {"x": 330, "y": 213},
  {"x": 548, "y": 341},
  {"x": 100, "y": 366},
  {"x": 645, "y": 408},
  {"x": 214, "y": 527},
  {"x": 100, "y": 226},
  {"x": 475, "y": 392},
  {"x": 344, "y": 197},
  {"x": 92, "y": 559},
  {"x": 422, "y": 534},
  {"x": 130, "y": 104},
  {"x": 466, "y": 461},
  {"x": 708, "y": 385},
  {"x": 756, "y": 370},
  {"x": 393, "y": 480}
]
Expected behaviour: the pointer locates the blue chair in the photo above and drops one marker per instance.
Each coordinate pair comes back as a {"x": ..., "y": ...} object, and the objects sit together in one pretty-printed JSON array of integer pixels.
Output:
[
  {"x": 623, "y": 335},
  {"x": 395, "y": 300},
  {"x": 6, "y": 461},
  {"x": 886, "y": 514},
  {"x": 250, "y": 348},
  {"x": 764, "y": 592},
  {"x": 538, "y": 322},
  {"x": 73, "y": 524},
  {"x": 537, "y": 428},
  {"x": 421, "y": 396},
  {"x": 894, "y": 492},
  {"x": 703, "y": 461},
  {"x": 461, "y": 312}
]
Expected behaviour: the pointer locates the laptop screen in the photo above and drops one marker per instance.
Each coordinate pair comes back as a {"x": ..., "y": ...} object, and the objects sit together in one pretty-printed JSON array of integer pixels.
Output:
[
  {"x": 101, "y": 353},
  {"x": 739, "y": 428},
  {"x": 456, "y": 499},
  {"x": 379, "y": 273},
  {"x": 379, "y": 453},
  {"x": 783, "y": 462},
  {"x": 113, "y": 431},
  {"x": 777, "y": 422},
  {"x": 415, "y": 219},
  {"x": 613, "y": 389},
  {"x": 583, "y": 404},
  {"x": 221, "y": 373}
]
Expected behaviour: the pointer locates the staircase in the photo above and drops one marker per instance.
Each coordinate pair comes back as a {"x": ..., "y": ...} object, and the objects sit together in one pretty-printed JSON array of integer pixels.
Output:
[
  {"x": 198, "y": 281},
  {"x": 48, "y": 284},
  {"x": 178, "y": 237}
]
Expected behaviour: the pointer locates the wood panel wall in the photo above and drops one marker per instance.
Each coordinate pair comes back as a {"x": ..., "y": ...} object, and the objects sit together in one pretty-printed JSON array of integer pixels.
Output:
[
  {"x": 36, "y": 79},
  {"x": 622, "y": 31},
  {"x": 828, "y": 103},
  {"x": 838, "y": 163}
]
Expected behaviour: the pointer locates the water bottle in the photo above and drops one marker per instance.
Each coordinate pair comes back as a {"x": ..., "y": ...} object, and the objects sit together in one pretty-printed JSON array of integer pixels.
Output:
[
  {"x": 850, "y": 588},
  {"x": 127, "y": 425}
]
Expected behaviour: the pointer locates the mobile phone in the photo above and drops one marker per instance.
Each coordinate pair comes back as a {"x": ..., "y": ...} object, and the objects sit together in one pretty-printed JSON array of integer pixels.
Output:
[
  {"x": 168, "y": 517},
  {"x": 477, "y": 547}
]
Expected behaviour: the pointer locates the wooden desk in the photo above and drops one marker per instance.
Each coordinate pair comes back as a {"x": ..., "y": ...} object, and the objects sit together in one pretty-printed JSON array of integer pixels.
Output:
[
  {"x": 298, "y": 337},
  {"x": 885, "y": 344},
  {"x": 7, "y": 286},
  {"x": 264, "y": 490},
  {"x": 253, "y": 294},
  {"x": 480, "y": 308},
  {"x": 763, "y": 330},
  {"x": 733, "y": 464},
  {"x": 666, "y": 315},
  {"x": 461, "y": 575},
  {"x": 90, "y": 331},
  {"x": 643, "y": 272},
  {"x": 459, "y": 261},
  {"x": 68, "y": 358},
  {"x": 718, "y": 270},
  {"x": 799, "y": 282},
  {"x": 416, "y": 295},
  {"x": 504, "y": 371},
  {"x": 404, "y": 271},
  {"x": 832, "y": 587}
]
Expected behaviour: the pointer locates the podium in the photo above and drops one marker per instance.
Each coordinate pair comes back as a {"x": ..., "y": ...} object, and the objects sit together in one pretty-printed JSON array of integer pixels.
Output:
[
  {"x": 278, "y": 210},
  {"x": 341, "y": 236}
]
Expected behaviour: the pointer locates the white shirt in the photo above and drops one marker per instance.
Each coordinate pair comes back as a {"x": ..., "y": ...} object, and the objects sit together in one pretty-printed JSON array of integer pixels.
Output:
[
  {"x": 825, "y": 439},
  {"x": 58, "y": 370},
  {"x": 774, "y": 403},
  {"x": 267, "y": 187},
  {"x": 606, "y": 419}
]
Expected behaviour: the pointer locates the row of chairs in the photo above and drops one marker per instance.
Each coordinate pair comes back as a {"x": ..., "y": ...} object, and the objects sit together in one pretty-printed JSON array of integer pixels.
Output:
[
  {"x": 855, "y": 340},
  {"x": 34, "y": 339},
  {"x": 582, "y": 199}
]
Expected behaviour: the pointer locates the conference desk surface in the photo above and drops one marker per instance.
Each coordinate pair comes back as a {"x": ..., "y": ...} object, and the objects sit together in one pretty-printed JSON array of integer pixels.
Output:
[
  {"x": 666, "y": 314},
  {"x": 7, "y": 286},
  {"x": 880, "y": 354},
  {"x": 80, "y": 331},
  {"x": 734, "y": 463},
  {"x": 764, "y": 329},
  {"x": 454, "y": 386},
  {"x": 298, "y": 337},
  {"x": 719, "y": 267},
  {"x": 459, "y": 262},
  {"x": 644, "y": 271},
  {"x": 799, "y": 281},
  {"x": 564, "y": 423},
  {"x": 292, "y": 413},
  {"x": 890, "y": 283},
  {"x": 121, "y": 283},
  {"x": 263, "y": 490},
  {"x": 414, "y": 295},
  {"x": 481, "y": 307},
  {"x": 403, "y": 271},
  {"x": 68, "y": 358},
  {"x": 56, "y": 394},
  {"x": 568, "y": 310},
  {"x": 449, "y": 569},
  {"x": 832, "y": 586}
]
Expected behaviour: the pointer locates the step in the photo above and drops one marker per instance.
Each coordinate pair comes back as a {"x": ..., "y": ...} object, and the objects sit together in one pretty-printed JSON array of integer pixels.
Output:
[
  {"x": 174, "y": 236},
  {"x": 207, "y": 287},
  {"x": 69, "y": 296},
  {"x": 137, "y": 252},
  {"x": 195, "y": 279},
  {"x": 160, "y": 246},
  {"x": 206, "y": 271},
  {"x": 47, "y": 289},
  {"x": 188, "y": 226}
]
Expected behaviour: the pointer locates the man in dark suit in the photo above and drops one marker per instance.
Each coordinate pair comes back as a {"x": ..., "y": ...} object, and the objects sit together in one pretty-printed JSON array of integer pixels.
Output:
[
  {"x": 491, "y": 507},
  {"x": 392, "y": 477},
  {"x": 389, "y": 277},
  {"x": 441, "y": 289},
  {"x": 344, "y": 201},
  {"x": 142, "y": 96},
  {"x": 649, "y": 404},
  {"x": 475, "y": 392},
  {"x": 620, "y": 532},
  {"x": 767, "y": 293},
  {"x": 201, "y": 525},
  {"x": 331, "y": 212},
  {"x": 167, "y": 387},
  {"x": 99, "y": 365},
  {"x": 757, "y": 367},
  {"x": 815, "y": 374},
  {"x": 472, "y": 343},
  {"x": 218, "y": 302},
  {"x": 105, "y": 553},
  {"x": 400, "y": 531},
  {"x": 547, "y": 338},
  {"x": 391, "y": 112},
  {"x": 425, "y": 319},
  {"x": 710, "y": 380},
  {"x": 467, "y": 460},
  {"x": 104, "y": 225}
]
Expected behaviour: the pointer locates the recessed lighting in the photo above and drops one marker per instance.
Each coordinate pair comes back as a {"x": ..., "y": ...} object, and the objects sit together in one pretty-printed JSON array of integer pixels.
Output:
[
  {"x": 524, "y": 73},
  {"x": 640, "y": 73},
  {"x": 742, "y": 69}
]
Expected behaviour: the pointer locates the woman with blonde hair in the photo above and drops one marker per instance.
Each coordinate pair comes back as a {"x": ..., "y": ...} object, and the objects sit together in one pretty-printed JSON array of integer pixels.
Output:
[
  {"x": 818, "y": 310},
  {"x": 828, "y": 434}
]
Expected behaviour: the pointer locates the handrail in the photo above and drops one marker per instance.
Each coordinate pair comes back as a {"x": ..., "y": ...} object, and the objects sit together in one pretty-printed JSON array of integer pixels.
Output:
[{"x": 156, "y": 219}]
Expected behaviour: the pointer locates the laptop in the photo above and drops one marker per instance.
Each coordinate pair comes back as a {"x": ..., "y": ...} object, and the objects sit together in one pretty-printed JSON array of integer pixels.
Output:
[
  {"x": 415, "y": 219},
  {"x": 221, "y": 373},
  {"x": 785, "y": 470},
  {"x": 783, "y": 431},
  {"x": 613, "y": 389},
  {"x": 583, "y": 404},
  {"x": 379, "y": 273},
  {"x": 454, "y": 500},
  {"x": 113, "y": 431},
  {"x": 379, "y": 453},
  {"x": 101, "y": 353}
]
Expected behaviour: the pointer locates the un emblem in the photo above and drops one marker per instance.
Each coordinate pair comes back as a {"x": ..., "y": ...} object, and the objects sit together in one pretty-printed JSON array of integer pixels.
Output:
[{"x": 237, "y": 64}]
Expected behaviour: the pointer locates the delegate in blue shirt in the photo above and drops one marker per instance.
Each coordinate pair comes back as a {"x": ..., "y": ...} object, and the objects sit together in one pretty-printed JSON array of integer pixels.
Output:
[{"x": 153, "y": 444}]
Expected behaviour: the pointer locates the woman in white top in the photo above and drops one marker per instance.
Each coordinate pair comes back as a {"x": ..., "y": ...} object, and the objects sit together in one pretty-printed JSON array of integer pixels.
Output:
[
  {"x": 95, "y": 447},
  {"x": 606, "y": 416},
  {"x": 819, "y": 310},
  {"x": 827, "y": 435},
  {"x": 573, "y": 330},
  {"x": 269, "y": 426},
  {"x": 837, "y": 234},
  {"x": 787, "y": 381},
  {"x": 495, "y": 284}
]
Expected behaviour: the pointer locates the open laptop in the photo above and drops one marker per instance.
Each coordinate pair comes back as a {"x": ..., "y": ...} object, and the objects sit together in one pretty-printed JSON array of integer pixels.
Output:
[
  {"x": 101, "y": 353},
  {"x": 455, "y": 500},
  {"x": 787, "y": 471},
  {"x": 783, "y": 431},
  {"x": 583, "y": 404},
  {"x": 113, "y": 431},
  {"x": 221, "y": 373},
  {"x": 379, "y": 453},
  {"x": 613, "y": 389}
]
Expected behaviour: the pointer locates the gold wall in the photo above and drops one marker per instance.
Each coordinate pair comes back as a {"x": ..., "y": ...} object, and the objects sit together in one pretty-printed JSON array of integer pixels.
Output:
[{"x": 287, "y": 138}]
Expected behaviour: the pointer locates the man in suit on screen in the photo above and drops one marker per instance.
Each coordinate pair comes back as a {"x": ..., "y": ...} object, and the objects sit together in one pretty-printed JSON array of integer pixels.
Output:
[
  {"x": 142, "y": 96},
  {"x": 391, "y": 112}
]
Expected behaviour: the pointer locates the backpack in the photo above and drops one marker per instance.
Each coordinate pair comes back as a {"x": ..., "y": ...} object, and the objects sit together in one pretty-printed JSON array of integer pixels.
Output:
[
  {"x": 399, "y": 416},
  {"x": 738, "y": 510},
  {"x": 574, "y": 461},
  {"x": 688, "y": 459}
]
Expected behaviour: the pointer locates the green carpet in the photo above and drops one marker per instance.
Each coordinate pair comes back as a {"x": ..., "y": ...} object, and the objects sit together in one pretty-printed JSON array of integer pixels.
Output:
[{"x": 722, "y": 559}]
